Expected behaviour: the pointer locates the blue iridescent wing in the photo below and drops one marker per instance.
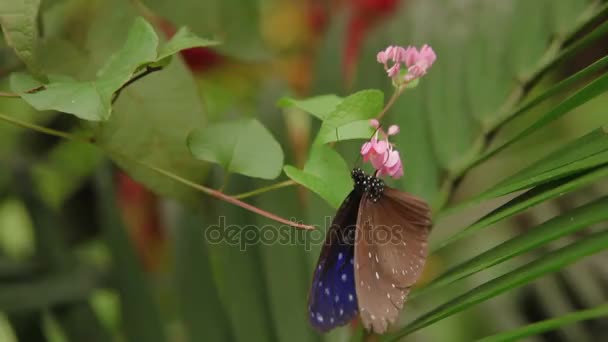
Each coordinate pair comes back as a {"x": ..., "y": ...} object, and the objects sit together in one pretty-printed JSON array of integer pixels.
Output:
[{"x": 332, "y": 300}]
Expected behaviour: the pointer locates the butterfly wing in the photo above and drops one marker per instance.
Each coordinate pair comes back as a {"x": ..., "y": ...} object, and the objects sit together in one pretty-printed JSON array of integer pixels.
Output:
[
  {"x": 332, "y": 300},
  {"x": 390, "y": 251}
]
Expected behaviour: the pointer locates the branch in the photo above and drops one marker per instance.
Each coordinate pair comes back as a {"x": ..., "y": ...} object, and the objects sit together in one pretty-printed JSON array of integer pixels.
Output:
[
  {"x": 146, "y": 72},
  {"x": 265, "y": 189},
  {"x": 211, "y": 192}
]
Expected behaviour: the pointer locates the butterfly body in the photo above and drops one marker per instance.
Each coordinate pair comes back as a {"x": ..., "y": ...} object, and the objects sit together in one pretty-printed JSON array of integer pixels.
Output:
[{"x": 373, "y": 253}]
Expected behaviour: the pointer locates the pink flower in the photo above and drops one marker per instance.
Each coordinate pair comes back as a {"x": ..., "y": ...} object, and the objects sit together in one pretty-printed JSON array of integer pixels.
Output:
[
  {"x": 381, "y": 154},
  {"x": 394, "y": 54},
  {"x": 418, "y": 62}
]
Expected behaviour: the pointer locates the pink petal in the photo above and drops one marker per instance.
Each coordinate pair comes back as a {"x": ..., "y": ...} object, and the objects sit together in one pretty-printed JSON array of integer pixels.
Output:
[
  {"x": 394, "y": 70},
  {"x": 381, "y": 147},
  {"x": 392, "y": 160},
  {"x": 410, "y": 56},
  {"x": 374, "y": 123},
  {"x": 393, "y": 129},
  {"x": 365, "y": 148},
  {"x": 378, "y": 160},
  {"x": 428, "y": 55}
]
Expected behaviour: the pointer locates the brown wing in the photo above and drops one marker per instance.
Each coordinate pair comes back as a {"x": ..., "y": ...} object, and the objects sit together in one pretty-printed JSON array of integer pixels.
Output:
[{"x": 390, "y": 251}]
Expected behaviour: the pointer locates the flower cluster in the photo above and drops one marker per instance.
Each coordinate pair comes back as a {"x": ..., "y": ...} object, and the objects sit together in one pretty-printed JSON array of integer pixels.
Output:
[
  {"x": 382, "y": 155},
  {"x": 417, "y": 62}
]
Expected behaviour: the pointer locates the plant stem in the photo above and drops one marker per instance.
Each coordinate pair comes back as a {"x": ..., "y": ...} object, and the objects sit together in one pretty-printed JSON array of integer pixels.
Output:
[
  {"x": 211, "y": 192},
  {"x": 8, "y": 94},
  {"x": 45, "y": 130},
  {"x": 391, "y": 101},
  {"x": 265, "y": 189},
  {"x": 146, "y": 72},
  {"x": 226, "y": 198}
]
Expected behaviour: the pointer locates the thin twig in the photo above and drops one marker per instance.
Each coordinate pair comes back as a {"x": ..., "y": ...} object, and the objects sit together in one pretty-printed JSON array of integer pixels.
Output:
[
  {"x": 45, "y": 130},
  {"x": 226, "y": 198},
  {"x": 29, "y": 91},
  {"x": 211, "y": 192},
  {"x": 146, "y": 72},
  {"x": 265, "y": 189}
]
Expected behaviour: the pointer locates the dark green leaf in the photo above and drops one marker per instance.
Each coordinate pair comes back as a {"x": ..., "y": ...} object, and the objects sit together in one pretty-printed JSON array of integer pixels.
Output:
[
  {"x": 547, "y": 325},
  {"x": 325, "y": 174},
  {"x": 528, "y": 199},
  {"x": 53, "y": 289},
  {"x": 19, "y": 21},
  {"x": 584, "y": 153},
  {"x": 550, "y": 262},
  {"x": 548, "y": 231},
  {"x": 202, "y": 313},
  {"x": 241, "y": 146},
  {"x": 582, "y": 96},
  {"x": 58, "y": 176},
  {"x": 140, "y": 314},
  {"x": 92, "y": 100}
]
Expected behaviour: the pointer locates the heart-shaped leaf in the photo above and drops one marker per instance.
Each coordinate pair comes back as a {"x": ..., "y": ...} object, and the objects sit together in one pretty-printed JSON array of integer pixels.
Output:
[
  {"x": 92, "y": 100},
  {"x": 241, "y": 146},
  {"x": 325, "y": 174}
]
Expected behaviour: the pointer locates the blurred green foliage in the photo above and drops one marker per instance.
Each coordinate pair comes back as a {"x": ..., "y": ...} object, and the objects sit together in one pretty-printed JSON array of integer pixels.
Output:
[{"x": 515, "y": 102}]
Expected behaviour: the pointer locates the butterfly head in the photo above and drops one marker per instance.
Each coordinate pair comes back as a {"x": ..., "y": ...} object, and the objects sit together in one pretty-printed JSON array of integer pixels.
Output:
[{"x": 372, "y": 186}]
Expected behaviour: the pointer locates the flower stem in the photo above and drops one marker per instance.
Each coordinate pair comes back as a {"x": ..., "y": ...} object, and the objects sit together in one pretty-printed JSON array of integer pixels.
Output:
[
  {"x": 211, "y": 192},
  {"x": 391, "y": 101},
  {"x": 265, "y": 189}
]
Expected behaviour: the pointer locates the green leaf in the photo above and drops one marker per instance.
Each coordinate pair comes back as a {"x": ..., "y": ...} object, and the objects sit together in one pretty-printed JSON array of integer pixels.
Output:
[
  {"x": 583, "y": 153},
  {"x": 528, "y": 199},
  {"x": 57, "y": 176},
  {"x": 318, "y": 106},
  {"x": 19, "y": 22},
  {"x": 54, "y": 289},
  {"x": 550, "y": 262},
  {"x": 553, "y": 229},
  {"x": 182, "y": 40},
  {"x": 241, "y": 146},
  {"x": 362, "y": 105},
  {"x": 557, "y": 88},
  {"x": 325, "y": 174},
  {"x": 92, "y": 100},
  {"x": 139, "y": 48},
  {"x": 352, "y": 130},
  {"x": 547, "y": 325},
  {"x": 82, "y": 99},
  {"x": 582, "y": 96},
  {"x": 322, "y": 107},
  {"x": 197, "y": 293},
  {"x": 140, "y": 314}
]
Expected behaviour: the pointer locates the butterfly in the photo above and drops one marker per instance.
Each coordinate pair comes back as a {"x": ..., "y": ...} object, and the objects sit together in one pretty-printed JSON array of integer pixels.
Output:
[{"x": 374, "y": 252}]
